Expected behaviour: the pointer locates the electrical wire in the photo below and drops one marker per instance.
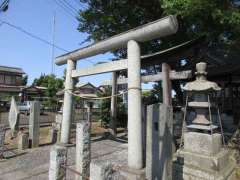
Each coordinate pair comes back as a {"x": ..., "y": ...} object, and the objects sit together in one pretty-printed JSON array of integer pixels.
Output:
[
  {"x": 32, "y": 35},
  {"x": 36, "y": 37},
  {"x": 63, "y": 8},
  {"x": 71, "y": 6},
  {"x": 67, "y": 7}
]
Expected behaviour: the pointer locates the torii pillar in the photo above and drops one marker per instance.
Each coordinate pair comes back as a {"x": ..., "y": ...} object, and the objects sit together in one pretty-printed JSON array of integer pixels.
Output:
[
  {"x": 67, "y": 103},
  {"x": 135, "y": 154},
  {"x": 113, "y": 113}
]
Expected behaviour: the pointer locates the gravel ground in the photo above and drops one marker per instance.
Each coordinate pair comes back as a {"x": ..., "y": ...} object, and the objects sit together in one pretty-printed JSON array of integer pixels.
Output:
[{"x": 33, "y": 165}]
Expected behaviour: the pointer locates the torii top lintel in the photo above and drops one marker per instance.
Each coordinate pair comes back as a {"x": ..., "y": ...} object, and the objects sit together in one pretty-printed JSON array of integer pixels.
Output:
[{"x": 159, "y": 28}]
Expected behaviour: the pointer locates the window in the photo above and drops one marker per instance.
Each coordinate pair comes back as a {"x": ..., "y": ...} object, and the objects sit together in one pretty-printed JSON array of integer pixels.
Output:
[
  {"x": 13, "y": 80},
  {"x": 1, "y": 79},
  {"x": 8, "y": 80}
]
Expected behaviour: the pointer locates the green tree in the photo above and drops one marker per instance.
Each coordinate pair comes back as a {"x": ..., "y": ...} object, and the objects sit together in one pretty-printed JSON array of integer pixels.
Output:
[
  {"x": 105, "y": 107},
  {"x": 25, "y": 80},
  {"x": 217, "y": 20},
  {"x": 52, "y": 83}
]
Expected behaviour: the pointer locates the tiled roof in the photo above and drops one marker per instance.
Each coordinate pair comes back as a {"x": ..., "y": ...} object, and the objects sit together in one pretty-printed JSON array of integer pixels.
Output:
[{"x": 11, "y": 69}]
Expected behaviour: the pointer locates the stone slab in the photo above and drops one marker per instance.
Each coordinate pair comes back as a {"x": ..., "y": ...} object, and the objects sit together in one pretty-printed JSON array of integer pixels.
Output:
[
  {"x": 201, "y": 143},
  {"x": 190, "y": 173},
  {"x": 13, "y": 117},
  {"x": 159, "y": 148},
  {"x": 202, "y": 127},
  {"x": 208, "y": 163}
]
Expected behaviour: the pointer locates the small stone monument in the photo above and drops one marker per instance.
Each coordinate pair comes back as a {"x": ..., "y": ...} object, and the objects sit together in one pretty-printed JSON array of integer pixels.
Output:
[
  {"x": 34, "y": 124},
  {"x": 203, "y": 156},
  {"x": 13, "y": 117},
  {"x": 23, "y": 140},
  {"x": 2, "y": 138}
]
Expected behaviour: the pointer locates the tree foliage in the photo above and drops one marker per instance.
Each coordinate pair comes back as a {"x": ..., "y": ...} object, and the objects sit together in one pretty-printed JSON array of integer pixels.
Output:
[
  {"x": 25, "y": 80},
  {"x": 106, "y": 108},
  {"x": 52, "y": 83},
  {"x": 219, "y": 20}
]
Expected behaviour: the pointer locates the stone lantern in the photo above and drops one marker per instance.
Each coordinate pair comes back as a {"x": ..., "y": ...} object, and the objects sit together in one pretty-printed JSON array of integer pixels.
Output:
[
  {"x": 202, "y": 156},
  {"x": 199, "y": 90}
]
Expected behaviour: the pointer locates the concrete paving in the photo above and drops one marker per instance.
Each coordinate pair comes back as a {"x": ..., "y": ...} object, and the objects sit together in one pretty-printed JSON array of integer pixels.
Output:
[{"x": 34, "y": 164}]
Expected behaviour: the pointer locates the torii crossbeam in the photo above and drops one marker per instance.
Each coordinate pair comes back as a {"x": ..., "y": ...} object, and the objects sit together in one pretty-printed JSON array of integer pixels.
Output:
[{"x": 130, "y": 39}]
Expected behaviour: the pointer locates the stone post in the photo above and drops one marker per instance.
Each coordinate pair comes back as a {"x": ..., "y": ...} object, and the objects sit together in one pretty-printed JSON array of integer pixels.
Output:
[
  {"x": 58, "y": 161},
  {"x": 83, "y": 150},
  {"x": 144, "y": 131},
  {"x": 135, "y": 157},
  {"x": 2, "y": 139},
  {"x": 159, "y": 146},
  {"x": 53, "y": 135},
  {"x": 68, "y": 103},
  {"x": 113, "y": 105},
  {"x": 166, "y": 84},
  {"x": 23, "y": 142},
  {"x": 34, "y": 123},
  {"x": 13, "y": 118}
]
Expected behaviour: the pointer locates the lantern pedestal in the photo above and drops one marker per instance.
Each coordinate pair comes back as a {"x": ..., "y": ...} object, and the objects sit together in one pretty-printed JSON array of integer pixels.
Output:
[{"x": 203, "y": 158}]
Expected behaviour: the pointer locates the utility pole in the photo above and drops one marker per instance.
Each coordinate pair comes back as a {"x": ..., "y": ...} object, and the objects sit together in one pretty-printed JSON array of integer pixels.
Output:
[{"x": 53, "y": 43}]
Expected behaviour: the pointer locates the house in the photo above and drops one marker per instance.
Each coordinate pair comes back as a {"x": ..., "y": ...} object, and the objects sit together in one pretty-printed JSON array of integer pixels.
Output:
[
  {"x": 10, "y": 81},
  {"x": 30, "y": 93},
  {"x": 86, "y": 90},
  {"x": 11, "y": 84}
]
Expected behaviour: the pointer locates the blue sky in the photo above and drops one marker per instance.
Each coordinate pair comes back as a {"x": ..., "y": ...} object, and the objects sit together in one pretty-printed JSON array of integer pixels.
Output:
[
  {"x": 20, "y": 50},
  {"x": 34, "y": 57}
]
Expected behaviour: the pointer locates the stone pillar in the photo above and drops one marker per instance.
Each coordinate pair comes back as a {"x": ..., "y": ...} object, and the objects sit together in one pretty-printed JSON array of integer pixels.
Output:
[
  {"x": 23, "y": 142},
  {"x": 135, "y": 157},
  {"x": 159, "y": 146},
  {"x": 34, "y": 123},
  {"x": 166, "y": 84},
  {"x": 113, "y": 122},
  {"x": 68, "y": 103},
  {"x": 83, "y": 150},
  {"x": 2, "y": 139},
  {"x": 53, "y": 135},
  {"x": 144, "y": 131},
  {"x": 58, "y": 160}
]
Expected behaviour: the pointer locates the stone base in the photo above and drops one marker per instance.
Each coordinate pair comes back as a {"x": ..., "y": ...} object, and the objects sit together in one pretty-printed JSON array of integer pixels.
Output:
[
  {"x": 186, "y": 172},
  {"x": 132, "y": 174},
  {"x": 108, "y": 171},
  {"x": 203, "y": 158},
  {"x": 209, "y": 163}
]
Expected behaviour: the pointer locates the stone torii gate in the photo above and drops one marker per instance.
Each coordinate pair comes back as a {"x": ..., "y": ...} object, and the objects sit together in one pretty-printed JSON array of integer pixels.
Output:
[{"x": 160, "y": 28}]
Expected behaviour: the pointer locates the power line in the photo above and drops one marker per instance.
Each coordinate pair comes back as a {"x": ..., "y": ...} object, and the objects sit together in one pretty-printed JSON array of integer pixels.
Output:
[
  {"x": 71, "y": 6},
  {"x": 63, "y": 8},
  {"x": 32, "y": 35},
  {"x": 37, "y": 37},
  {"x": 4, "y": 5},
  {"x": 67, "y": 7}
]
